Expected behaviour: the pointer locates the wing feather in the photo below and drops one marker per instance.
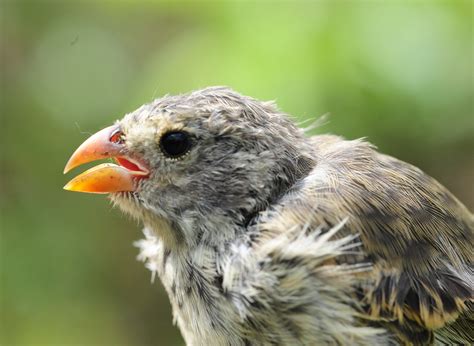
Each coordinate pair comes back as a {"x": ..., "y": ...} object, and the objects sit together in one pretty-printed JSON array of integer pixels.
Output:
[{"x": 418, "y": 236}]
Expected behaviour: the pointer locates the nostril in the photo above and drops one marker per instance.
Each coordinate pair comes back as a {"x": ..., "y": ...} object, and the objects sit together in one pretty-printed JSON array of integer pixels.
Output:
[{"x": 117, "y": 137}]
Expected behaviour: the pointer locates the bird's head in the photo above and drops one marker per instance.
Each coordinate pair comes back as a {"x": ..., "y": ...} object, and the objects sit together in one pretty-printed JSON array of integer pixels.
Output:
[{"x": 197, "y": 166}]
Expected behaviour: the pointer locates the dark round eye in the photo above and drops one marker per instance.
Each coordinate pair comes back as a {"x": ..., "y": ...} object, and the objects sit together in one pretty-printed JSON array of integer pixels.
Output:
[{"x": 175, "y": 144}]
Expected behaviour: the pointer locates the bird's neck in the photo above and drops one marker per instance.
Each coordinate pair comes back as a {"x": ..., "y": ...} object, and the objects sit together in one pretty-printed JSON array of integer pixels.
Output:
[{"x": 192, "y": 230}]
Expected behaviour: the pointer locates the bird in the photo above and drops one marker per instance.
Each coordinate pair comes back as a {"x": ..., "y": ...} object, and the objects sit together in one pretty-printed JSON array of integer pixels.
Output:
[{"x": 264, "y": 235}]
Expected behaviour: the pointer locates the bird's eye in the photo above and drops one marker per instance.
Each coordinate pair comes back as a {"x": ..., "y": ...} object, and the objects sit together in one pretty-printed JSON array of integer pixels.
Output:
[{"x": 175, "y": 144}]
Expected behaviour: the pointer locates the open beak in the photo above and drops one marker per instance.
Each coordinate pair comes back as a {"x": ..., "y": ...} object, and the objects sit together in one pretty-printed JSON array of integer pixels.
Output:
[{"x": 107, "y": 177}]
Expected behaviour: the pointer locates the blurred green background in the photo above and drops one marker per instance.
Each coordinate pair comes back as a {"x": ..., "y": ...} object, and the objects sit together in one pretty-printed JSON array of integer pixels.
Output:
[{"x": 398, "y": 72}]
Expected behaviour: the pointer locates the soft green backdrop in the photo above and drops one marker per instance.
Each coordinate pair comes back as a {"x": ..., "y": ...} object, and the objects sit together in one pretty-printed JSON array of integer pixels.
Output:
[{"x": 398, "y": 72}]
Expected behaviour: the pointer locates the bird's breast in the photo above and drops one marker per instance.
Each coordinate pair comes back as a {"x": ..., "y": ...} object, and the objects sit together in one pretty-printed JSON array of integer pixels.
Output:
[{"x": 193, "y": 282}]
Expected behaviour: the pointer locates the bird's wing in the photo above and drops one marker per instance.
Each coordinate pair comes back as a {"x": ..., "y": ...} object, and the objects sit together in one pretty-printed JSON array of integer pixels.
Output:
[
  {"x": 418, "y": 236},
  {"x": 289, "y": 288}
]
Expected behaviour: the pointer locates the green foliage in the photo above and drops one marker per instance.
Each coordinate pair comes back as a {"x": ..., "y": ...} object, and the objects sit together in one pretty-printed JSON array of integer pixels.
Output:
[{"x": 397, "y": 72}]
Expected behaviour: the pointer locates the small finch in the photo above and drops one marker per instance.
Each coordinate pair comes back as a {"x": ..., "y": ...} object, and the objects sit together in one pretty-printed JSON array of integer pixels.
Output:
[{"x": 264, "y": 236}]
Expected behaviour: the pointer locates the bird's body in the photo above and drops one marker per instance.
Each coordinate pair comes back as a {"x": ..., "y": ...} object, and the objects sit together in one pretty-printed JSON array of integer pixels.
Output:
[{"x": 262, "y": 235}]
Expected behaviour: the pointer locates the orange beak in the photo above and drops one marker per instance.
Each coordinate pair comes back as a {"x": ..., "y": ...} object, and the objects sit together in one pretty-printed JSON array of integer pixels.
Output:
[{"x": 107, "y": 177}]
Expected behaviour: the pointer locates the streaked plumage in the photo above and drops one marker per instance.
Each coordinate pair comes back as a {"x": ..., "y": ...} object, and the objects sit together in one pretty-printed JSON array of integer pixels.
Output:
[{"x": 262, "y": 235}]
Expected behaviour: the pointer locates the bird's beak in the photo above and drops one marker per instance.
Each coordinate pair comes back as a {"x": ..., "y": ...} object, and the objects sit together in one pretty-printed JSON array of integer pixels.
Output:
[{"x": 107, "y": 177}]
